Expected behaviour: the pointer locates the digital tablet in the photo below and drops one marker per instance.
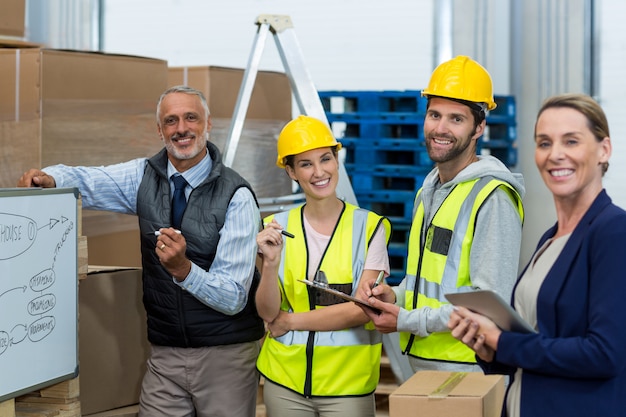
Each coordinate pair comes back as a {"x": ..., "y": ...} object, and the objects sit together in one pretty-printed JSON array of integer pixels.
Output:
[
  {"x": 491, "y": 305},
  {"x": 339, "y": 294}
]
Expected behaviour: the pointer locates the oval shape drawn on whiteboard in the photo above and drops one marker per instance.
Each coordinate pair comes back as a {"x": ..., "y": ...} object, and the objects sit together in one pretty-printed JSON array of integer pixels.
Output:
[
  {"x": 41, "y": 305},
  {"x": 41, "y": 328},
  {"x": 4, "y": 341},
  {"x": 42, "y": 280},
  {"x": 17, "y": 235}
]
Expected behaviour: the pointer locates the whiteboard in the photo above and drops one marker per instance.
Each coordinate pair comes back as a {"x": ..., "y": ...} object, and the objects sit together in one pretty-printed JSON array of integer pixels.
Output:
[{"x": 38, "y": 288}]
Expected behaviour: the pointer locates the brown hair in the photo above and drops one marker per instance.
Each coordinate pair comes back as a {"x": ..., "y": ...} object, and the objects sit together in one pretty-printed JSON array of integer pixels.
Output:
[
  {"x": 289, "y": 159},
  {"x": 477, "y": 109},
  {"x": 588, "y": 107}
]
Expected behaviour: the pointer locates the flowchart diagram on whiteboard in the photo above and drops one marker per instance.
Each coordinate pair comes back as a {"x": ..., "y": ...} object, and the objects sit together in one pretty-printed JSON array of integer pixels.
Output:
[{"x": 38, "y": 288}]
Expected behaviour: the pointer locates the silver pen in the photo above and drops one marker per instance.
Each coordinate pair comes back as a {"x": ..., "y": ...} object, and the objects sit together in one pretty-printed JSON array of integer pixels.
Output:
[{"x": 379, "y": 279}]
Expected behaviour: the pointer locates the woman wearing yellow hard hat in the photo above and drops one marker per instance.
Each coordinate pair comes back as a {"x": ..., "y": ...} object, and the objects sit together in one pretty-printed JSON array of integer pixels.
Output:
[{"x": 321, "y": 355}]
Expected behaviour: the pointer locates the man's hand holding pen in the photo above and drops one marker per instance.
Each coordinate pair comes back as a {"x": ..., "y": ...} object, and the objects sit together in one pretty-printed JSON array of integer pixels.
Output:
[
  {"x": 379, "y": 279},
  {"x": 380, "y": 296}
]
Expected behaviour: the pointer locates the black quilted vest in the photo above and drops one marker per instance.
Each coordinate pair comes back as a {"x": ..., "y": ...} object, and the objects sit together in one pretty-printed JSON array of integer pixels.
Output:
[{"x": 175, "y": 317}]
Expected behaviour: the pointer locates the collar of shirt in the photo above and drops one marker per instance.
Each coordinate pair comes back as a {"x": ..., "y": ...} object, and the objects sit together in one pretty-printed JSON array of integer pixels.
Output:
[{"x": 194, "y": 175}]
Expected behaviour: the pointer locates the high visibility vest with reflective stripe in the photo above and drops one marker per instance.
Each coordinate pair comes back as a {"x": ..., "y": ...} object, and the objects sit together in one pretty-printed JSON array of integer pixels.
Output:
[
  {"x": 333, "y": 363},
  {"x": 441, "y": 258}
]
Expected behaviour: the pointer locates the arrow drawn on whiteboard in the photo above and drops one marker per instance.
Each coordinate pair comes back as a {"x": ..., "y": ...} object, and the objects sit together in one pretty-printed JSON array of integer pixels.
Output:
[
  {"x": 52, "y": 223},
  {"x": 23, "y": 288},
  {"x": 23, "y": 328}
]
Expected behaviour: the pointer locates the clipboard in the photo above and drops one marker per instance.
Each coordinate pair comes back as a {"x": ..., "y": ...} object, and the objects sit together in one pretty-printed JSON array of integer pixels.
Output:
[
  {"x": 342, "y": 295},
  {"x": 490, "y": 304}
]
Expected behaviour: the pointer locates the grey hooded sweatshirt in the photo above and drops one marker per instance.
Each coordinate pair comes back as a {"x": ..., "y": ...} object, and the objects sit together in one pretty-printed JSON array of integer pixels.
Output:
[{"x": 494, "y": 255}]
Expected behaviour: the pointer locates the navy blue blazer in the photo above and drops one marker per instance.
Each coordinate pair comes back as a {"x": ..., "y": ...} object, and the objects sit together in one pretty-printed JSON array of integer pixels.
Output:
[{"x": 576, "y": 364}]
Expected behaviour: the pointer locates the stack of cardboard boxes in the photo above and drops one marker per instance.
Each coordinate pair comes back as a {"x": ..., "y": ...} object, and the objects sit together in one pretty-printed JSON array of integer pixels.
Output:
[{"x": 83, "y": 108}]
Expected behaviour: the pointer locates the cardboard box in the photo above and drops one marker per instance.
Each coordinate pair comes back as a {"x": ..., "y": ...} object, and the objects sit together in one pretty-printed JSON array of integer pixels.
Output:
[
  {"x": 113, "y": 344},
  {"x": 445, "y": 394},
  {"x": 270, "y": 100},
  {"x": 113, "y": 239},
  {"x": 76, "y": 108},
  {"x": 12, "y": 18},
  {"x": 269, "y": 110}
]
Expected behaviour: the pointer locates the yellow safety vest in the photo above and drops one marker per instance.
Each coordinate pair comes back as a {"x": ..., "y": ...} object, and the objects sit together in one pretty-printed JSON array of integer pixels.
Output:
[
  {"x": 333, "y": 363},
  {"x": 440, "y": 256}
]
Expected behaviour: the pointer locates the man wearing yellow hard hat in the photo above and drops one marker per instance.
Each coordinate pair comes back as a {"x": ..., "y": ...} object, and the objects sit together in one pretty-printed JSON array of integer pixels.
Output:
[{"x": 467, "y": 223}]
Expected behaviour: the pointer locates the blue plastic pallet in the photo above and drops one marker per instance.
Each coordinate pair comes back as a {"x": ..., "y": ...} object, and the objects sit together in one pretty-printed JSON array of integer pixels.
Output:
[
  {"x": 385, "y": 143},
  {"x": 505, "y": 109},
  {"x": 372, "y": 145},
  {"x": 397, "y": 249},
  {"x": 395, "y": 102},
  {"x": 364, "y": 181},
  {"x": 393, "y": 204},
  {"x": 388, "y": 103},
  {"x": 395, "y": 278},
  {"x": 389, "y": 155},
  {"x": 369, "y": 157},
  {"x": 397, "y": 263},
  {"x": 389, "y": 170},
  {"x": 377, "y": 128},
  {"x": 507, "y": 155},
  {"x": 502, "y": 131},
  {"x": 400, "y": 231}
]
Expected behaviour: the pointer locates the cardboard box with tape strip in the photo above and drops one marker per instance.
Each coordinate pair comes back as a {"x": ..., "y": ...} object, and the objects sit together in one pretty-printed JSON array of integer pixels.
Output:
[{"x": 445, "y": 394}]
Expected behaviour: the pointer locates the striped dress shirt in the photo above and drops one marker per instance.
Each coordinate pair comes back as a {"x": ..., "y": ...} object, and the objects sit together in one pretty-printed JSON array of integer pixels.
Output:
[{"x": 225, "y": 286}]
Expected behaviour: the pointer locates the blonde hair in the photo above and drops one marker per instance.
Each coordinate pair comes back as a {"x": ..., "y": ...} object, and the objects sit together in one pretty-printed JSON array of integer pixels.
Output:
[{"x": 588, "y": 107}]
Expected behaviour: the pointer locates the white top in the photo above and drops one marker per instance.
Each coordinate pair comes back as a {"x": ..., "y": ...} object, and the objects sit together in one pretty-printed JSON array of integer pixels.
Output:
[
  {"x": 526, "y": 304},
  {"x": 377, "y": 257}
]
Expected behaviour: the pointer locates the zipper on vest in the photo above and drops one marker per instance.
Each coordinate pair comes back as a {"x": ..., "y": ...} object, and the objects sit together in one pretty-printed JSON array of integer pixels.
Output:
[
  {"x": 181, "y": 315},
  {"x": 418, "y": 275},
  {"x": 308, "y": 377}
]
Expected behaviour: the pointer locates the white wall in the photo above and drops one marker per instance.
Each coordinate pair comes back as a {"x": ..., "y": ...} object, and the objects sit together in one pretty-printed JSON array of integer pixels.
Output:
[
  {"x": 347, "y": 44},
  {"x": 613, "y": 91}
]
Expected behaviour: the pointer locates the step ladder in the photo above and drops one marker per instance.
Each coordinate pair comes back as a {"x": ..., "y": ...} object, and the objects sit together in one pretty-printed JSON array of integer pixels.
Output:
[{"x": 309, "y": 103}]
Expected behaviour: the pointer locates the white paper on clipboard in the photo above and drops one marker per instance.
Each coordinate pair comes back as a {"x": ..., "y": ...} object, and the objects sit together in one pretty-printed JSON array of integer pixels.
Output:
[
  {"x": 490, "y": 304},
  {"x": 339, "y": 294}
]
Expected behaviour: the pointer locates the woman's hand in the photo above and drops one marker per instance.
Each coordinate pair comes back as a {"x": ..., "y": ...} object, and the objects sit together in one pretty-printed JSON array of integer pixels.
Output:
[
  {"x": 280, "y": 325},
  {"x": 476, "y": 331},
  {"x": 270, "y": 243}
]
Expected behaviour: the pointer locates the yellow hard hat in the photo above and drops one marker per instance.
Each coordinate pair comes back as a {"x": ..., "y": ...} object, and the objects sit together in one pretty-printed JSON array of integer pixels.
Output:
[
  {"x": 462, "y": 78},
  {"x": 303, "y": 134}
]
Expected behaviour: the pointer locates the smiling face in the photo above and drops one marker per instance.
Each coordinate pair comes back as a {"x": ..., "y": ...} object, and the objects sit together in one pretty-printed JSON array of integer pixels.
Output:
[
  {"x": 316, "y": 171},
  {"x": 183, "y": 127},
  {"x": 569, "y": 157},
  {"x": 451, "y": 134}
]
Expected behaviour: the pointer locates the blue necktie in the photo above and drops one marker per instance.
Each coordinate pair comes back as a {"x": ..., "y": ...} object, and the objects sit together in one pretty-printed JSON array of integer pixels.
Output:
[{"x": 179, "y": 202}]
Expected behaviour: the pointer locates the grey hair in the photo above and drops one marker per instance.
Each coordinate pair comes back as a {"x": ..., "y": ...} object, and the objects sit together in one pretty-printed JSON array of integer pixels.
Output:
[{"x": 185, "y": 90}]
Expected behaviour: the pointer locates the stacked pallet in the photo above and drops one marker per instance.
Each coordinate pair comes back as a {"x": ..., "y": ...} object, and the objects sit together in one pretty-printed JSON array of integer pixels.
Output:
[
  {"x": 500, "y": 138},
  {"x": 385, "y": 155},
  {"x": 59, "y": 400}
]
